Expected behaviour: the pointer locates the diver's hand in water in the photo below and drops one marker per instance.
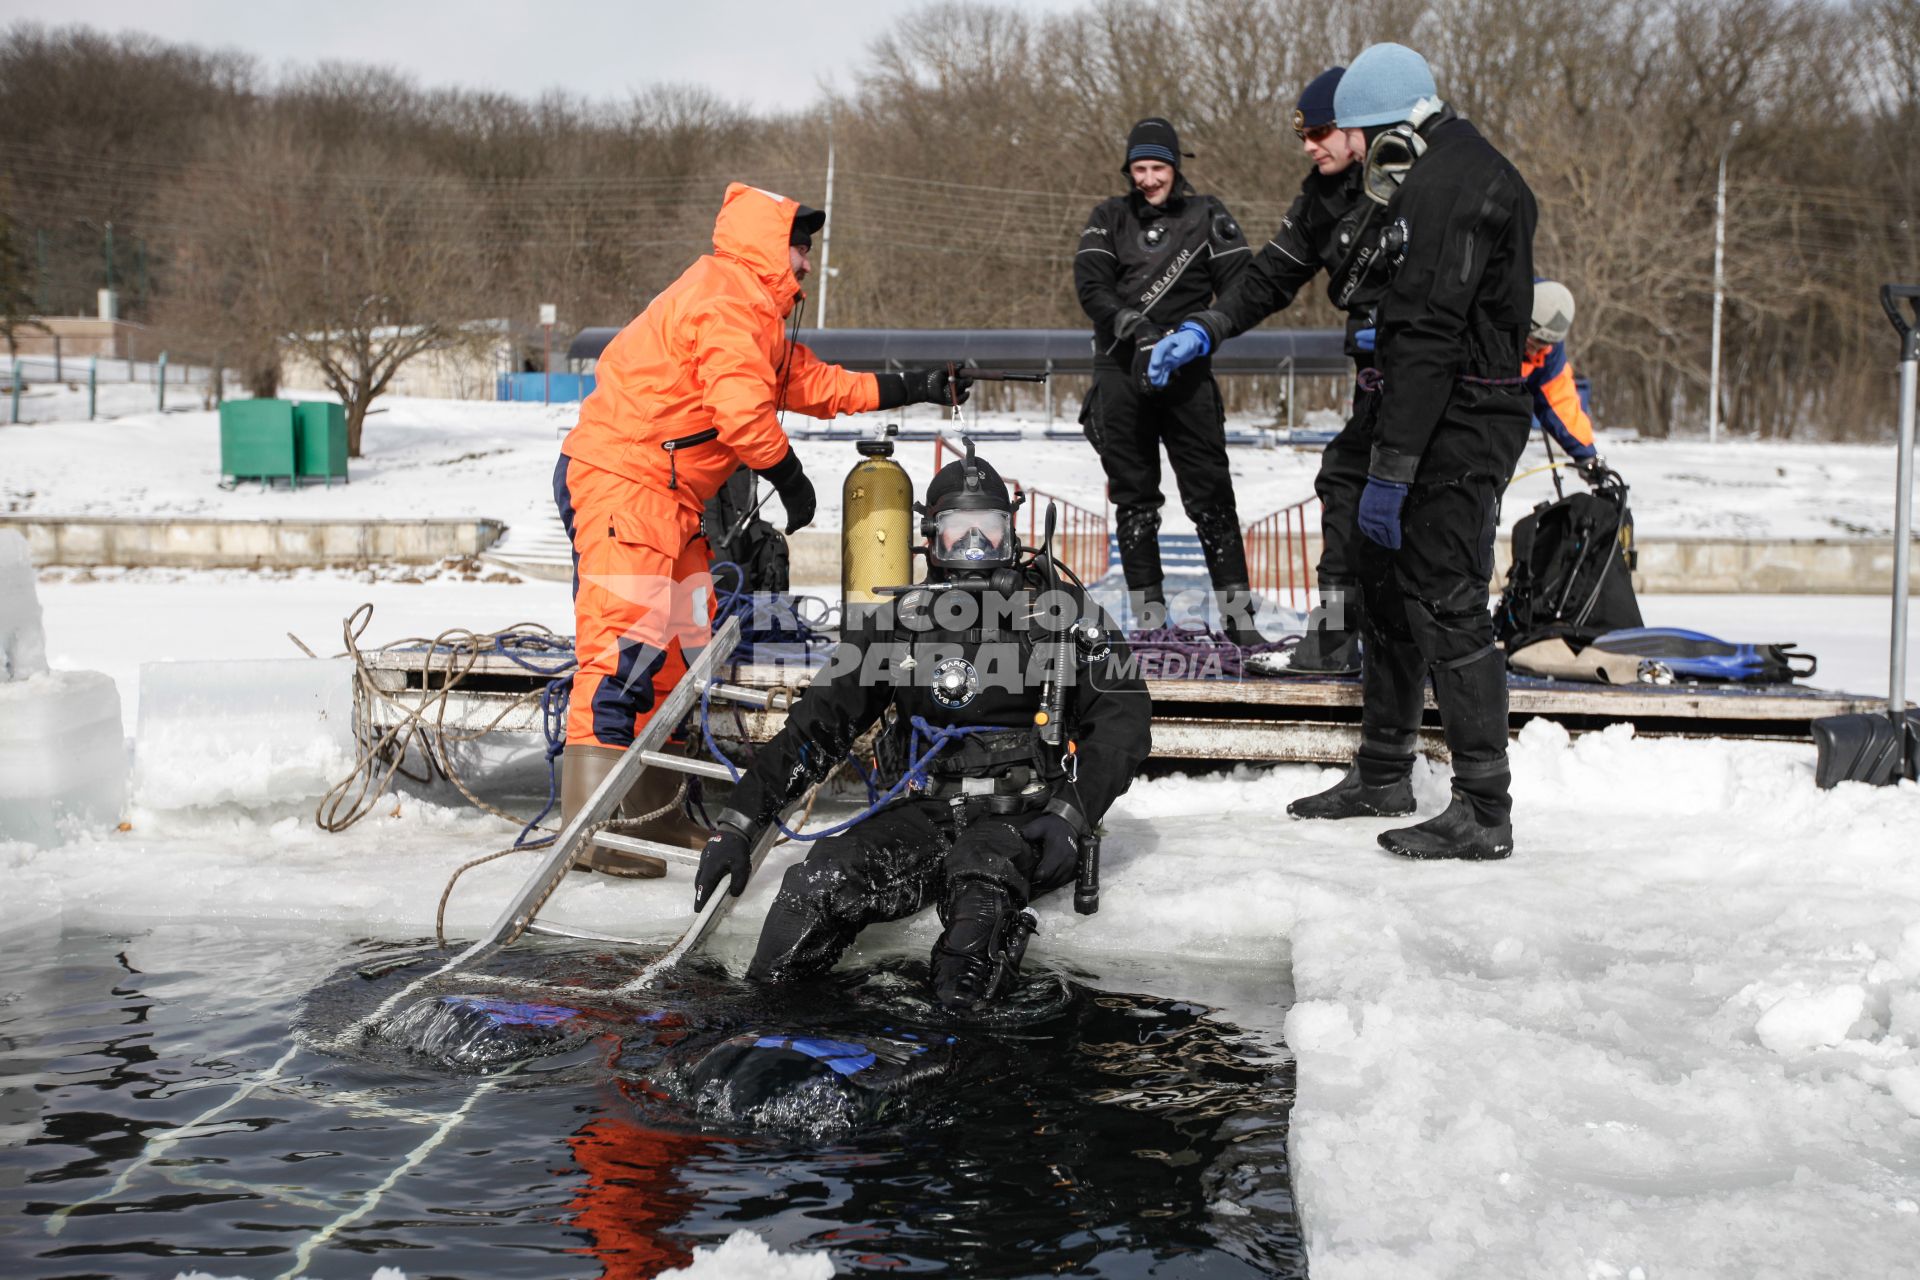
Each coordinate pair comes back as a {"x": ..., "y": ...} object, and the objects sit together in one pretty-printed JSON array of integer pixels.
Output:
[
  {"x": 1059, "y": 851},
  {"x": 728, "y": 853}
]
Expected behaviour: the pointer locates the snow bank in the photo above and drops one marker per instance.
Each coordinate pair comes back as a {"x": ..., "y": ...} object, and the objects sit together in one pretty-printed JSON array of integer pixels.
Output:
[
  {"x": 23, "y": 642},
  {"x": 63, "y": 765},
  {"x": 253, "y": 733},
  {"x": 745, "y": 1256}
]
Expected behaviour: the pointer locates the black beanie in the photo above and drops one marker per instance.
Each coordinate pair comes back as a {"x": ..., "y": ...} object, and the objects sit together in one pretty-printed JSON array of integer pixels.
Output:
[
  {"x": 806, "y": 221},
  {"x": 1153, "y": 139}
]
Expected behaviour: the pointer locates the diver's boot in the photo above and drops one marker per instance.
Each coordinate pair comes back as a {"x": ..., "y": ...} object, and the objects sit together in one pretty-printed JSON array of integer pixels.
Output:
[
  {"x": 977, "y": 959},
  {"x": 1378, "y": 784},
  {"x": 1238, "y": 604},
  {"x": 1331, "y": 645},
  {"x": 1461, "y": 832},
  {"x": 1148, "y": 606},
  {"x": 583, "y": 768}
]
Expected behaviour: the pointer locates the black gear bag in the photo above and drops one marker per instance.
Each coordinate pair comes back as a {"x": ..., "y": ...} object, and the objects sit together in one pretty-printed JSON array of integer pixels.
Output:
[{"x": 1572, "y": 571}]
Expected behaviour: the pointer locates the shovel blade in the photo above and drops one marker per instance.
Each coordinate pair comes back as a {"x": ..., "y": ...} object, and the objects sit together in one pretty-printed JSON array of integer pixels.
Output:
[{"x": 1866, "y": 747}]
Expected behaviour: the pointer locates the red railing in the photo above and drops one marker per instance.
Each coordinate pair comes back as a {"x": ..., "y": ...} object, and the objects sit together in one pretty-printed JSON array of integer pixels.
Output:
[
  {"x": 1079, "y": 535},
  {"x": 1277, "y": 557}
]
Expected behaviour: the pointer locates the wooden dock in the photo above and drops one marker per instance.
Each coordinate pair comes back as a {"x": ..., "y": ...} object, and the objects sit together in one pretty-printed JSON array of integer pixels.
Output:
[{"x": 1256, "y": 718}]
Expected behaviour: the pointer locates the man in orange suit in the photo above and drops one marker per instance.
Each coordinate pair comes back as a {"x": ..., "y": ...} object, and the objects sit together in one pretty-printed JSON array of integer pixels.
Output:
[{"x": 689, "y": 391}]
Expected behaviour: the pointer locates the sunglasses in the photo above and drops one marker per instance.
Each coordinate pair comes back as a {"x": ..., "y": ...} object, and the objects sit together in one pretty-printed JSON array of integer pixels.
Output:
[{"x": 1313, "y": 134}]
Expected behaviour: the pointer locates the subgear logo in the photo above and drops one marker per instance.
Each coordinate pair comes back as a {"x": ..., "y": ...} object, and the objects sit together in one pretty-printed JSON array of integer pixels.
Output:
[{"x": 1167, "y": 278}]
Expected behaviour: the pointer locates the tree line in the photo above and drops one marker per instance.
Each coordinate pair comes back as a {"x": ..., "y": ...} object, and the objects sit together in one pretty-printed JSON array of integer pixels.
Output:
[{"x": 348, "y": 208}]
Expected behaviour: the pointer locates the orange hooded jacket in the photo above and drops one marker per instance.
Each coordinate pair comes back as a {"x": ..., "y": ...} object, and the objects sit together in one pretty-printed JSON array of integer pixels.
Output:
[{"x": 691, "y": 388}]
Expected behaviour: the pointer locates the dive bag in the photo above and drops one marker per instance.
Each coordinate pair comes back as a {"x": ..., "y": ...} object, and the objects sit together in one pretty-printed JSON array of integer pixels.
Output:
[{"x": 1572, "y": 571}]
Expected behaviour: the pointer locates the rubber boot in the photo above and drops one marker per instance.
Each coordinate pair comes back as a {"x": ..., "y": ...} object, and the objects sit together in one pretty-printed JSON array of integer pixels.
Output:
[
  {"x": 582, "y": 769},
  {"x": 1238, "y": 604},
  {"x": 1378, "y": 784},
  {"x": 1331, "y": 645},
  {"x": 1457, "y": 833},
  {"x": 977, "y": 959},
  {"x": 666, "y": 789}
]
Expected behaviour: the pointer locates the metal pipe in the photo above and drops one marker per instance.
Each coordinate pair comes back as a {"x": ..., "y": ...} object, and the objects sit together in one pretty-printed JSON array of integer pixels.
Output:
[
  {"x": 826, "y": 231},
  {"x": 1719, "y": 280},
  {"x": 1903, "y": 531}
]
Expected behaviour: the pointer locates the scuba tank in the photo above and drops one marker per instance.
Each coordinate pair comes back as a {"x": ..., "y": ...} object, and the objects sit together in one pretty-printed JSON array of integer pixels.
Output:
[{"x": 876, "y": 527}]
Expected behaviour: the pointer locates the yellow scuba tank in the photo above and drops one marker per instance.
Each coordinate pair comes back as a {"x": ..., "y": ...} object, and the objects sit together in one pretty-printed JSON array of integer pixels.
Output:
[{"x": 876, "y": 525}]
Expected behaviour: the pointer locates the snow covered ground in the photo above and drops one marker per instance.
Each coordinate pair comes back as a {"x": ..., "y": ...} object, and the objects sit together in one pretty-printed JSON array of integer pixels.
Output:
[{"x": 477, "y": 458}]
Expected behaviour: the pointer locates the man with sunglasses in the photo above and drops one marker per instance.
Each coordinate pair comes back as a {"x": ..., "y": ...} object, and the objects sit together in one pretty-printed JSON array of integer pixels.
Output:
[
  {"x": 1324, "y": 230},
  {"x": 1450, "y": 417},
  {"x": 1147, "y": 260}
]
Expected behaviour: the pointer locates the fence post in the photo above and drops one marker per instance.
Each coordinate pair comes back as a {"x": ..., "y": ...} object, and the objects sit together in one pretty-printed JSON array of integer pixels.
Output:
[
  {"x": 93, "y": 385},
  {"x": 1049, "y": 393},
  {"x": 59, "y": 370},
  {"x": 160, "y": 379},
  {"x": 16, "y": 390}
]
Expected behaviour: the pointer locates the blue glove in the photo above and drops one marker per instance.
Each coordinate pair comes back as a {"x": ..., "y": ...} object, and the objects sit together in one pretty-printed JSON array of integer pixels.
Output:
[
  {"x": 1380, "y": 504},
  {"x": 1363, "y": 339},
  {"x": 1183, "y": 346}
]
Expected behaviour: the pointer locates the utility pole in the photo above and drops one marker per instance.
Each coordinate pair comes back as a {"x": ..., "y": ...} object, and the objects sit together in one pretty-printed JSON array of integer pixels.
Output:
[
  {"x": 1719, "y": 287},
  {"x": 826, "y": 233},
  {"x": 549, "y": 314}
]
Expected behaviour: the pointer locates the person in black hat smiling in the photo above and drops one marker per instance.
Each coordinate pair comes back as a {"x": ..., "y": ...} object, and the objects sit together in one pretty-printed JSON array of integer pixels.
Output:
[{"x": 1147, "y": 261}]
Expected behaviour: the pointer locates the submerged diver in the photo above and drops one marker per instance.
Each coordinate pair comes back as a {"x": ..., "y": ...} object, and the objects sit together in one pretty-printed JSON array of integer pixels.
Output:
[{"x": 998, "y": 813}]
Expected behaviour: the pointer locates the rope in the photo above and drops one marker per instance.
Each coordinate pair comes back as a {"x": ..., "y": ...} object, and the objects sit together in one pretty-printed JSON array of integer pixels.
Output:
[
  {"x": 422, "y": 725},
  {"x": 1197, "y": 641},
  {"x": 915, "y": 774}
]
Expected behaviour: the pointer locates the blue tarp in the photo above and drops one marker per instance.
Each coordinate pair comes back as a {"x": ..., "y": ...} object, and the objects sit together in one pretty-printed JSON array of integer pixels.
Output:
[{"x": 525, "y": 387}]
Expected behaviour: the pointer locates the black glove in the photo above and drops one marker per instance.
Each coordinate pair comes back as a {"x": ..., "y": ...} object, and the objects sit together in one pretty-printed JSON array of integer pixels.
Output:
[
  {"x": 1126, "y": 323},
  {"x": 728, "y": 853},
  {"x": 932, "y": 386},
  {"x": 790, "y": 481},
  {"x": 1059, "y": 851},
  {"x": 1145, "y": 338},
  {"x": 1592, "y": 469}
]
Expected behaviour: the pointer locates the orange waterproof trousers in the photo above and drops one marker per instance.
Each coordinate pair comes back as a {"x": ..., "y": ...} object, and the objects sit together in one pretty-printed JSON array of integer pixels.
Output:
[{"x": 642, "y": 597}]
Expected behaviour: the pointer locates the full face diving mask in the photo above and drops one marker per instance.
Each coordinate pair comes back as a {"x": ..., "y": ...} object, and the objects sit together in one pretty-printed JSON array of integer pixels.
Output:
[
  {"x": 1393, "y": 151},
  {"x": 971, "y": 540}
]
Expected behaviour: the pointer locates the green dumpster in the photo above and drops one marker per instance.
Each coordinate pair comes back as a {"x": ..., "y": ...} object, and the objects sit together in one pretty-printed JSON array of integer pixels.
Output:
[
  {"x": 258, "y": 441},
  {"x": 321, "y": 428}
]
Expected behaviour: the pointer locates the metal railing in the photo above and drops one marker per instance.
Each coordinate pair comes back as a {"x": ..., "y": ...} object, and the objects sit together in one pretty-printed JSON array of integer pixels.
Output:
[
  {"x": 57, "y": 370},
  {"x": 1079, "y": 537},
  {"x": 1277, "y": 557}
]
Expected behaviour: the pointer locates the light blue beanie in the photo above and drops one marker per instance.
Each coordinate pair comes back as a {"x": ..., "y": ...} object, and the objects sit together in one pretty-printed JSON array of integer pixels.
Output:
[{"x": 1382, "y": 87}]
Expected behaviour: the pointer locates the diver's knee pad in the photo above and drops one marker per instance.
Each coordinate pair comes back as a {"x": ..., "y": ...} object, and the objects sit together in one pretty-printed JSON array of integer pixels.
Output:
[
  {"x": 804, "y": 934},
  {"x": 976, "y": 959}
]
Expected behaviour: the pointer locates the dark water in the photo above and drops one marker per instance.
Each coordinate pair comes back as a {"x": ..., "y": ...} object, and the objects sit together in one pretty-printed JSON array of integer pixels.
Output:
[{"x": 1081, "y": 1131}]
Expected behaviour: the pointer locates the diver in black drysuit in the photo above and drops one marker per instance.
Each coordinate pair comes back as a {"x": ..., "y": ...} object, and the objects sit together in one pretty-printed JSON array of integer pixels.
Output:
[
  {"x": 1143, "y": 265},
  {"x": 1325, "y": 229},
  {"x": 998, "y": 819},
  {"x": 1450, "y": 416}
]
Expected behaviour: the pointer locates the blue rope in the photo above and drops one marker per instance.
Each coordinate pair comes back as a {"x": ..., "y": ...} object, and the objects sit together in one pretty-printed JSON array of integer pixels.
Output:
[
  {"x": 553, "y": 721},
  {"x": 937, "y": 736}
]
